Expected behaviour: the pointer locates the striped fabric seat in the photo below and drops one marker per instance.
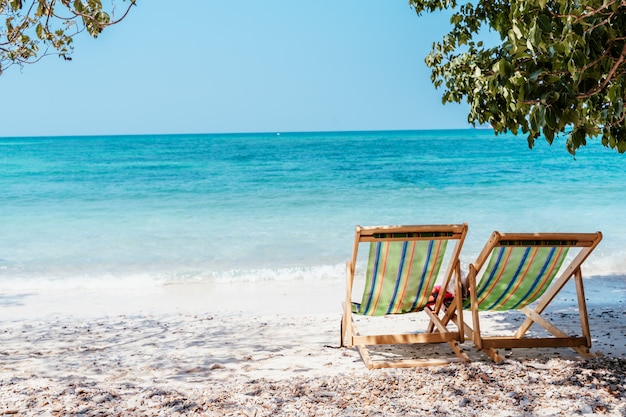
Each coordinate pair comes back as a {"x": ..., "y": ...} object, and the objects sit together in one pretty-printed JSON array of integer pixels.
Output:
[
  {"x": 403, "y": 265},
  {"x": 523, "y": 272},
  {"x": 517, "y": 276},
  {"x": 400, "y": 276}
]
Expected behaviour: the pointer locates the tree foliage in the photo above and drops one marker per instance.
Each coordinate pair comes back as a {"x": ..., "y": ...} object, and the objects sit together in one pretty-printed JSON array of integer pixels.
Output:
[
  {"x": 32, "y": 29},
  {"x": 559, "y": 68}
]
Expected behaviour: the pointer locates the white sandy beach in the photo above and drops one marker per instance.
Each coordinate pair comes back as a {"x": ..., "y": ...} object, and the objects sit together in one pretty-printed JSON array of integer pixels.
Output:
[{"x": 270, "y": 349}]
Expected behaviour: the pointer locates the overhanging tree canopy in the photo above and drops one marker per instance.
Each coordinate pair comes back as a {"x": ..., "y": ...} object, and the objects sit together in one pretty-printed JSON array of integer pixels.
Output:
[
  {"x": 560, "y": 67},
  {"x": 32, "y": 29}
]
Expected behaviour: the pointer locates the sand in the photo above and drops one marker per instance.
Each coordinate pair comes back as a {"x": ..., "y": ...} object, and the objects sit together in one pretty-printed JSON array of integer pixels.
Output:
[{"x": 271, "y": 348}]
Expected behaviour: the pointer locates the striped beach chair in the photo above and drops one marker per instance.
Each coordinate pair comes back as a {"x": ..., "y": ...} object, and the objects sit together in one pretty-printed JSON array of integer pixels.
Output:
[
  {"x": 403, "y": 266},
  {"x": 520, "y": 274}
]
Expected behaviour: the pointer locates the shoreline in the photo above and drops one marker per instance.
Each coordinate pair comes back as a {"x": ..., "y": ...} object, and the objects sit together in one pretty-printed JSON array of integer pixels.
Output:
[
  {"x": 271, "y": 348},
  {"x": 323, "y": 296},
  {"x": 269, "y": 297}
]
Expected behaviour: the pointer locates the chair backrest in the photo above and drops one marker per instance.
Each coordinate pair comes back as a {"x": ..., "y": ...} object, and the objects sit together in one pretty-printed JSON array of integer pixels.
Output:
[
  {"x": 404, "y": 263},
  {"x": 521, "y": 267}
]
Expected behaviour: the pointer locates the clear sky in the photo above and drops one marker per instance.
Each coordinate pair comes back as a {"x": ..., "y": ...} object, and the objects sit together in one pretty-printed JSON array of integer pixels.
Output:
[{"x": 209, "y": 66}]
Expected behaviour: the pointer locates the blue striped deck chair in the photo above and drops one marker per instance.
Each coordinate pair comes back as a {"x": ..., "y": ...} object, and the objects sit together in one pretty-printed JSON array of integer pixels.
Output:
[
  {"x": 403, "y": 266},
  {"x": 525, "y": 272}
]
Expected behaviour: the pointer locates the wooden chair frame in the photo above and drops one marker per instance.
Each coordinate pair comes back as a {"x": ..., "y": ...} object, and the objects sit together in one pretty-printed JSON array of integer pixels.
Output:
[
  {"x": 438, "y": 332},
  {"x": 581, "y": 344}
]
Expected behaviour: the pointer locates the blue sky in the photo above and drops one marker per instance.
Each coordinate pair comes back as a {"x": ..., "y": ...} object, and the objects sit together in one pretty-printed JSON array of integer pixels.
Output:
[{"x": 208, "y": 66}]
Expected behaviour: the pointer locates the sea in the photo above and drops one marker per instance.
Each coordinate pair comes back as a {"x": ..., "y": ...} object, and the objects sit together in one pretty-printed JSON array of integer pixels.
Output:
[{"x": 154, "y": 210}]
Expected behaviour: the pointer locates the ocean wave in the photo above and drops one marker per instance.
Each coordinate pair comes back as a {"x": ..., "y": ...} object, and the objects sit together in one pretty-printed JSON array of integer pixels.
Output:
[{"x": 126, "y": 280}]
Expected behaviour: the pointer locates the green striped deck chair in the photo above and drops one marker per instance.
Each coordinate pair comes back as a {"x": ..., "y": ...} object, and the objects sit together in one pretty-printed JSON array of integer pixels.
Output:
[
  {"x": 521, "y": 272},
  {"x": 403, "y": 266}
]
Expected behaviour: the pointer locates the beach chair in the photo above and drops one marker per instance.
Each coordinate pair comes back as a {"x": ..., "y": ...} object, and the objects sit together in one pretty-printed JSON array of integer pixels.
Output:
[
  {"x": 403, "y": 266},
  {"x": 520, "y": 275}
]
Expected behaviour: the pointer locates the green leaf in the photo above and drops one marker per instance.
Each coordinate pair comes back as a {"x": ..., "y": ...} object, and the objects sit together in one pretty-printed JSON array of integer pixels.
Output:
[
  {"x": 544, "y": 22},
  {"x": 516, "y": 30},
  {"x": 78, "y": 6},
  {"x": 548, "y": 134},
  {"x": 15, "y": 4},
  {"x": 550, "y": 118}
]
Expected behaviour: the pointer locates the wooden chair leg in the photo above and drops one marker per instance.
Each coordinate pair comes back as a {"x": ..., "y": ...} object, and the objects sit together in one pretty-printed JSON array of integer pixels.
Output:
[
  {"x": 341, "y": 332},
  {"x": 493, "y": 354},
  {"x": 435, "y": 321}
]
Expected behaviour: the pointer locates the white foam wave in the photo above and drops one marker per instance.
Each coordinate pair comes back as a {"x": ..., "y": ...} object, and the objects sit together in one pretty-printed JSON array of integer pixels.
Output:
[
  {"x": 134, "y": 281},
  {"x": 600, "y": 264},
  {"x": 311, "y": 273}
]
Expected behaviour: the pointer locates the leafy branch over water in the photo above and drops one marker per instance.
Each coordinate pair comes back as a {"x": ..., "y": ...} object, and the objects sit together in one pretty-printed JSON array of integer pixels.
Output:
[
  {"x": 560, "y": 67},
  {"x": 30, "y": 30}
]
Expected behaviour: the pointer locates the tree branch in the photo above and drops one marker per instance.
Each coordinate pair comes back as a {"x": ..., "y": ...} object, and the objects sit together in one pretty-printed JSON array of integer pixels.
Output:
[
  {"x": 608, "y": 77},
  {"x": 590, "y": 11}
]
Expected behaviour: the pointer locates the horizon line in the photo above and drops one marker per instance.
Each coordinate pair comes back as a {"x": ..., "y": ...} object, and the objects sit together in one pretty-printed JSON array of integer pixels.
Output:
[{"x": 268, "y": 132}]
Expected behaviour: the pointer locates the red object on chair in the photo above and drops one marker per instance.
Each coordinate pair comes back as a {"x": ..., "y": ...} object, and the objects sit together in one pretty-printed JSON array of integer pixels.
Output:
[{"x": 447, "y": 298}]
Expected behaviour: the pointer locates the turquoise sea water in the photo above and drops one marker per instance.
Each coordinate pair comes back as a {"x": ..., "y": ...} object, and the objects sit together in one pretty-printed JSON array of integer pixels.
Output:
[{"x": 132, "y": 211}]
